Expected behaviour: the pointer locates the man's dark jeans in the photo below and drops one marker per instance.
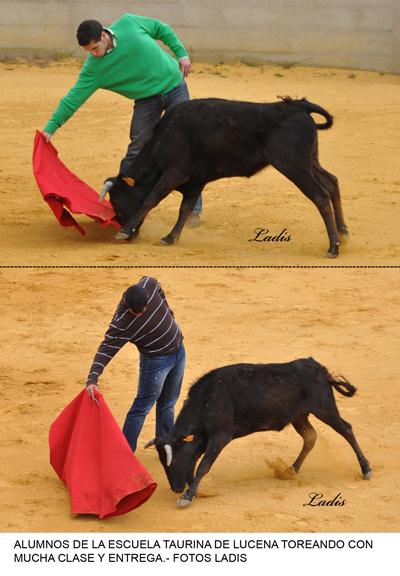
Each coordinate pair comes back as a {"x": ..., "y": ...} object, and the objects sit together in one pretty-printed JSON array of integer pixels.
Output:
[{"x": 160, "y": 382}]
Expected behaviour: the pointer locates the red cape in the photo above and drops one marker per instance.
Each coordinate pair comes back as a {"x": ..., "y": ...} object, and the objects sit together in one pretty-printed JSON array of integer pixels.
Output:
[
  {"x": 62, "y": 189},
  {"x": 93, "y": 458}
]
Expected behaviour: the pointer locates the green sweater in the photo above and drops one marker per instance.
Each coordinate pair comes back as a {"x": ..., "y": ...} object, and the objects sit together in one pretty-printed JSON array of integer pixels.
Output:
[{"x": 138, "y": 67}]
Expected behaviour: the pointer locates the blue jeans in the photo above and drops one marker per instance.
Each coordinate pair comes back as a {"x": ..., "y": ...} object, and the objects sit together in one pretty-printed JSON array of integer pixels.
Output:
[
  {"x": 146, "y": 113},
  {"x": 160, "y": 381}
]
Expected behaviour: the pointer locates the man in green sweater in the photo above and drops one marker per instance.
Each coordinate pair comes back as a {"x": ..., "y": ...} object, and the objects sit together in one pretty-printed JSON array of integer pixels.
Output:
[{"x": 125, "y": 58}]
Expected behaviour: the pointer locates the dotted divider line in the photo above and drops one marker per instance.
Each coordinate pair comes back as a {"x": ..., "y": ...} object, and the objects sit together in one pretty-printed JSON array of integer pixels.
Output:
[{"x": 201, "y": 267}]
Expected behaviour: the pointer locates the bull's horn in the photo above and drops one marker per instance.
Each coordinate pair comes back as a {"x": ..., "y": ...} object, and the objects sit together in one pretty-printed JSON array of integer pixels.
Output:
[
  {"x": 168, "y": 451},
  {"x": 105, "y": 190}
]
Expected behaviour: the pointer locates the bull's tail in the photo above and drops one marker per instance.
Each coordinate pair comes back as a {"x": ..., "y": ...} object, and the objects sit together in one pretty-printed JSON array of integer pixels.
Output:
[
  {"x": 342, "y": 385},
  {"x": 339, "y": 383},
  {"x": 309, "y": 107}
]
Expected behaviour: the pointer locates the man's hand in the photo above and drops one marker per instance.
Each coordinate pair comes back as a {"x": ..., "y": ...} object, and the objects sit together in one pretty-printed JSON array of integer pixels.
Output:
[
  {"x": 185, "y": 65},
  {"x": 47, "y": 136},
  {"x": 90, "y": 390}
]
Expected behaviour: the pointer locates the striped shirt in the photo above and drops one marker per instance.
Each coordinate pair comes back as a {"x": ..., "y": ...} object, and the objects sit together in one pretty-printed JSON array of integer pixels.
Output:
[{"x": 155, "y": 332}]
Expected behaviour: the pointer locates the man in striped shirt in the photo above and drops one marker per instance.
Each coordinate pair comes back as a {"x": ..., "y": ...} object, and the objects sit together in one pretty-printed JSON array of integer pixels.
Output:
[{"x": 144, "y": 318}]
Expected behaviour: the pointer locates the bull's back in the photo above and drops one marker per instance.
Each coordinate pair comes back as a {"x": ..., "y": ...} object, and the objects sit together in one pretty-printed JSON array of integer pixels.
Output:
[
  {"x": 266, "y": 393},
  {"x": 224, "y": 138},
  {"x": 259, "y": 396}
]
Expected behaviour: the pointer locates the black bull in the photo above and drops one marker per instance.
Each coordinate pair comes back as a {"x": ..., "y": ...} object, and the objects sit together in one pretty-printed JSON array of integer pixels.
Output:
[
  {"x": 237, "y": 400},
  {"x": 199, "y": 141}
]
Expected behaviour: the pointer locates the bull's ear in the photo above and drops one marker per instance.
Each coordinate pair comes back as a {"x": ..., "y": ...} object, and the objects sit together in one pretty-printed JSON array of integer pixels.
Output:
[
  {"x": 129, "y": 181},
  {"x": 189, "y": 438},
  {"x": 150, "y": 443}
]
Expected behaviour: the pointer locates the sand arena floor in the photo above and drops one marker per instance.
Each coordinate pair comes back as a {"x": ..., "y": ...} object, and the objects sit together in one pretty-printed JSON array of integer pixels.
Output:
[
  {"x": 51, "y": 322},
  {"x": 52, "y": 319},
  {"x": 360, "y": 149}
]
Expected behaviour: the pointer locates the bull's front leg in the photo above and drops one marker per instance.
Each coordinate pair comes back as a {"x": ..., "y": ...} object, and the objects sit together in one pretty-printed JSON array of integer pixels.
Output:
[
  {"x": 134, "y": 232},
  {"x": 213, "y": 449},
  {"x": 159, "y": 192},
  {"x": 130, "y": 229},
  {"x": 186, "y": 207}
]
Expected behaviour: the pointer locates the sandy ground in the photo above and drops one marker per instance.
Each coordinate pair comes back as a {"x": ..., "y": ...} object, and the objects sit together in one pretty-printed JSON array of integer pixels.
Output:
[
  {"x": 361, "y": 150},
  {"x": 51, "y": 322}
]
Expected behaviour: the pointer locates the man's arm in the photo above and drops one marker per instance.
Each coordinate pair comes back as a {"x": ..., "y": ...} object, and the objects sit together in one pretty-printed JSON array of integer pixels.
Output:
[
  {"x": 79, "y": 93},
  {"x": 111, "y": 345},
  {"x": 161, "y": 31}
]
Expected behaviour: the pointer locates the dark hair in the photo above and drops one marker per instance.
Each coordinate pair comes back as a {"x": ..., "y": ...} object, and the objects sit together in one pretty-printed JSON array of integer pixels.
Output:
[
  {"x": 89, "y": 31},
  {"x": 136, "y": 298}
]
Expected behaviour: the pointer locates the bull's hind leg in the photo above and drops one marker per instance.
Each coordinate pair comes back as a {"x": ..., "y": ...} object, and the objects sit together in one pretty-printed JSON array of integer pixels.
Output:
[
  {"x": 344, "y": 429},
  {"x": 303, "y": 178},
  {"x": 317, "y": 194},
  {"x": 309, "y": 435},
  {"x": 190, "y": 196},
  {"x": 330, "y": 182}
]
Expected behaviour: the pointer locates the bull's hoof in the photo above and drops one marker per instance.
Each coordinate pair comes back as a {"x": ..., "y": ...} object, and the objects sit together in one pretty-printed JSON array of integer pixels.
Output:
[
  {"x": 368, "y": 475},
  {"x": 334, "y": 252},
  {"x": 166, "y": 241},
  {"x": 121, "y": 235},
  {"x": 135, "y": 234},
  {"x": 183, "y": 502}
]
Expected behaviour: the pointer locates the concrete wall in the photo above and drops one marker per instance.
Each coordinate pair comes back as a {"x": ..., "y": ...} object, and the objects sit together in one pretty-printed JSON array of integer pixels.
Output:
[{"x": 346, "y": 33}]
